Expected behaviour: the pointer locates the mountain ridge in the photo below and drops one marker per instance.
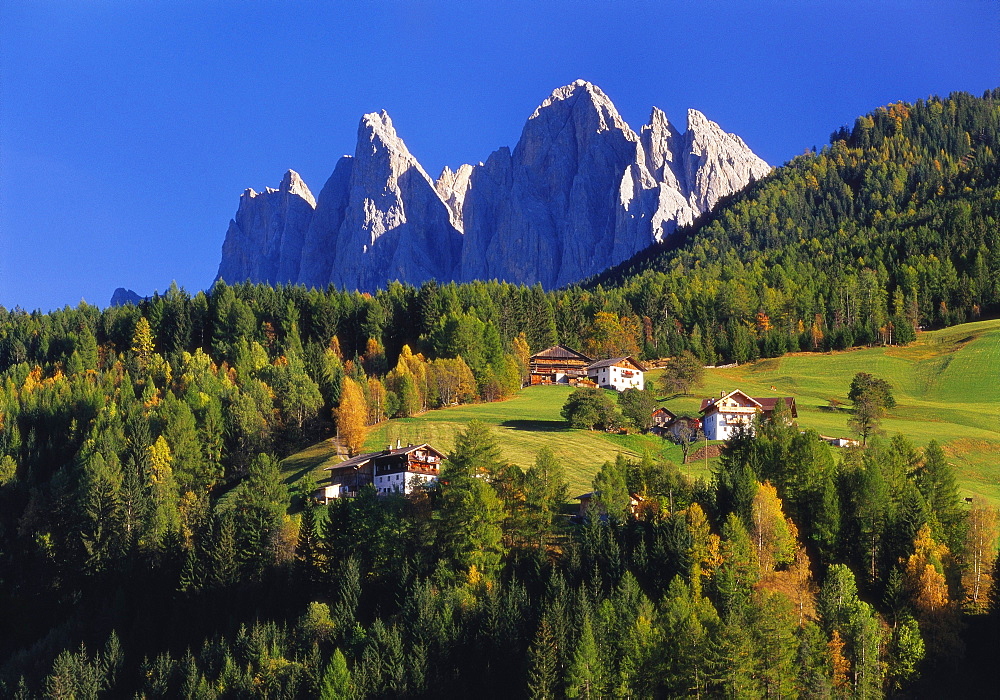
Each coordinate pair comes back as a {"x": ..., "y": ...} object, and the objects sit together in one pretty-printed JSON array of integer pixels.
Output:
[{"x": 580, "y": 191}]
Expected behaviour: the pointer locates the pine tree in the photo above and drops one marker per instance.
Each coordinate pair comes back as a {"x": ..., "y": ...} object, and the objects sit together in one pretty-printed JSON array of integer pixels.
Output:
[
  {"x": 936, "y": 480},
  {"x": 611, "y": 490},
  {"x": 543, "y": 663},
  {"x": 308, "y": 551},
  {"x": 222, "y": 561},
  {"x": 100, "y": 509},
  {"x": 584, "y": 677}
]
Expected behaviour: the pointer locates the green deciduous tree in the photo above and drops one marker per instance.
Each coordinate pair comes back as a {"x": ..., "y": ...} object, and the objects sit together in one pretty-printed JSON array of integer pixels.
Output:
[
  {"x": 590, "y": 409},
  {"x": 681, "y": 374},
  {"x": 637, "y": 406}
]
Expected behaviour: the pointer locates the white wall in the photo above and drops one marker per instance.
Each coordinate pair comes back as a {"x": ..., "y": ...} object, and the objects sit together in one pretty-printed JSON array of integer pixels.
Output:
[
  {"x": 612, "y": 378},
  {"x": 400, "y": 482}
]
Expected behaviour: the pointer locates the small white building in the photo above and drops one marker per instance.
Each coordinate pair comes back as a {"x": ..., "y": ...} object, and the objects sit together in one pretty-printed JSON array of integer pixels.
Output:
[{"x": 618, "y": 373}]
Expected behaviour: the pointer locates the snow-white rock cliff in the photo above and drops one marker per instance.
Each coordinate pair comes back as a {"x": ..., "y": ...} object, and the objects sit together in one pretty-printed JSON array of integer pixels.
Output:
[{"x": 580, "y": 192}]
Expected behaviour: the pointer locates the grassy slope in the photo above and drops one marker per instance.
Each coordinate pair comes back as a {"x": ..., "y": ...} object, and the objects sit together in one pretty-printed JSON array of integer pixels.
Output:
[
  {"x": 947, "y": 385},
  {"x": 525, "y": 424}
]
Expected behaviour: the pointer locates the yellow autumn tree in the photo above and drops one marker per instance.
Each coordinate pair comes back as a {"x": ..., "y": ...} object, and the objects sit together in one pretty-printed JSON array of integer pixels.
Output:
[
  {"x": 841, "y": 665},
  {"x": 414, "y": 367},
  {"x": 352, "y": 416},
  {"x": 164, "y": 490},
  {"x": 142, "y": 344},
  {"x": 795, "y": 583},
  {"x": 376, "y": 401},
  {"x": 773, "y": 536},
  {"x": 334, "y": 347},
  {"x": 924, "y": 579},
  {"x": 523, "y": 355},
  {"x": 160, "y": 458},
  {"x": 980, "y": 551}
]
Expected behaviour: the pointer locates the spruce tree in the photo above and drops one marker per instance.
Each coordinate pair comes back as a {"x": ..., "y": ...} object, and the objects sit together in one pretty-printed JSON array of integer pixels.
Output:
[{"x": 543, "y": 663}]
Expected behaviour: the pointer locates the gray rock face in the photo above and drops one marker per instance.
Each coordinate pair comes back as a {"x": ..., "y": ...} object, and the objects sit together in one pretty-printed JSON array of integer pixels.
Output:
[
  {"x": 379, "y": 218},
  {"x": 320, "y": 245},
  {"x": 549, "y": 224},
  {"x": 123, "y": 297},
  {"x": 716, "y": 164},
  {"x": 453, "y": 186},
  {"x": 580, "y": 192},
  {"x": 264, "y": 240}
]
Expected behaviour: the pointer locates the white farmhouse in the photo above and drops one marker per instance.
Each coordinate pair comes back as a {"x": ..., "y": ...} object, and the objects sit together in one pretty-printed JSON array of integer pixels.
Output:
[
  {"x": 618, "y": 373},
  {"x": 722, "y": 417},
  {"x": 398, "y": 470}
]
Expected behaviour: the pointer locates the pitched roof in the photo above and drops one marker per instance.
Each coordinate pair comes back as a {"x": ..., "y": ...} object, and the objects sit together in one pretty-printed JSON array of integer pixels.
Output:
[
  {"x": 661, "y": 409},
  {"x": 766, "y": 404},
  {"x": 615, "y": 361},
  {"x": 560, "y": 352},
  {"x": 355, "y": 462},
  {"x": 361, "y": 460},
  {"x": 708, "y": 403}
]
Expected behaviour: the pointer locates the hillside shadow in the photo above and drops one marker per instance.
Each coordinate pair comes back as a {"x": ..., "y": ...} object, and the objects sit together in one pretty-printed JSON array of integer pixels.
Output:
[{"x": 549, "y": 426}]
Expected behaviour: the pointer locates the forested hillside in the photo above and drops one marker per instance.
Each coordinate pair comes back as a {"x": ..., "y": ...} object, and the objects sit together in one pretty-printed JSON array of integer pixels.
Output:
[
  {"x": 893, "y": 225},
  {"x": 148, "y": 544}
]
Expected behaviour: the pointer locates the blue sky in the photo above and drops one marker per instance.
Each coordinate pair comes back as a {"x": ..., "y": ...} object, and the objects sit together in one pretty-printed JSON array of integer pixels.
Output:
[{"x": 128, "y": 129}]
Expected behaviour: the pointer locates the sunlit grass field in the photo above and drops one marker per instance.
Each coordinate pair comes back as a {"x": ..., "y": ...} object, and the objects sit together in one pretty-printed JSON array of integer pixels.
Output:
[
  {"x": 947, "y": 387},
  {"x": 946, "y": 384}
]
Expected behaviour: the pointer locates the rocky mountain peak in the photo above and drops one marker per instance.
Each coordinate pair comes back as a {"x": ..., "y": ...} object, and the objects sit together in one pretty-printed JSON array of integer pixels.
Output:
[
  {"x": 291, "y": 183},
  {"x": 579, "y": 192},
  {"x": 716, "y": 163},
  {"x": 587, "y": 104},
  {"x": 659, "y": 139}
]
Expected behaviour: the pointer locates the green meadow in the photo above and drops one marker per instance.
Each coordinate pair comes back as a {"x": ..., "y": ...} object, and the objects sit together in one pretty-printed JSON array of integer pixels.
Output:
[
  {"x": 947, "y": 387},
  {"x": 946, "y": 384}
]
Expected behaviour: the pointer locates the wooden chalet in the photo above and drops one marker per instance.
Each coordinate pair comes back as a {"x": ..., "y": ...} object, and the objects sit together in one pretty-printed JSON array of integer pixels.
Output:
[
  {"x": 662, "y": 417},
  {"x": 558, "y": 365},
  {"x": 392, "y": 470}
]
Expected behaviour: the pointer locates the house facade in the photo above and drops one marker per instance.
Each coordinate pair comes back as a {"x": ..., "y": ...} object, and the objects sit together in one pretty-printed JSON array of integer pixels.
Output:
[
  {"x": 397, "y": 470},
  {"x": 618, "y": 373},
  {"x": 722, "y": 417},
  {"x": 662, "y": 417},
  {"x": 558, "y": 365},
  {"x": 682, "y": 424}
]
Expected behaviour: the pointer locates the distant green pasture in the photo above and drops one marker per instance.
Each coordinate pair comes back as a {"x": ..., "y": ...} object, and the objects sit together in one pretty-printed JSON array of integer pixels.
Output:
[{"x": 947, "y": 386}]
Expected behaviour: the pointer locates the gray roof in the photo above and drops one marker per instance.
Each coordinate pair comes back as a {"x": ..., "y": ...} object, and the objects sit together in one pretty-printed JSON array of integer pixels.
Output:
[
  {"x": 615, "y": 361},
  {"x": 561, "y": 352},
  {"x": 361, "y": 460}
]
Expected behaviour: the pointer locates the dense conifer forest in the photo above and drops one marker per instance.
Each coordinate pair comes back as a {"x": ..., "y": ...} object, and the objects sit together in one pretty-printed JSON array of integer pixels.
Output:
[
  {"x": 892, "y": 226},
  {"x": 148, "y": 544}
]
